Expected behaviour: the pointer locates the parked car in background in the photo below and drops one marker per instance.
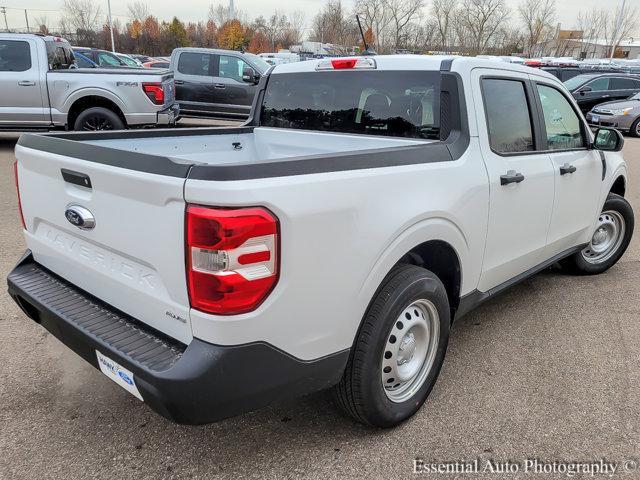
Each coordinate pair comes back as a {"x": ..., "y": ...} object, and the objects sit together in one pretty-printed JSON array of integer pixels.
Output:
[
  {"x": 156, "y": 63},
  {"x": 130, "y": 61},
  {"x": 623, "y": 115},
  {"x": 102, "y": 58},
  {"x": 141, "y": 58},
  {"x": 40, "y": 88},
  {"x": 84, "y": 62},
  {"x": 592, "y": 89},
  {"x": 216, "y": 83}
]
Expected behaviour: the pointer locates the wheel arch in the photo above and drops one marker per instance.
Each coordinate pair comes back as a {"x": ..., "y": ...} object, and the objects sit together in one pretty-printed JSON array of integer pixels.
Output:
[
  {"x": 435, "y": 244},
  {"x": 89, "y": 101},
  {"x": 619, "y": 186}
]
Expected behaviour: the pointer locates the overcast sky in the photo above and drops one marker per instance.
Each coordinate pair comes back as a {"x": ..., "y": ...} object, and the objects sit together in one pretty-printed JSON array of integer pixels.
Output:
[{"x": 194, "y": 10}]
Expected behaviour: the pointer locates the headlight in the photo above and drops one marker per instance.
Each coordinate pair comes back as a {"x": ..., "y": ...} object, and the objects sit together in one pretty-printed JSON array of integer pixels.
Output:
[{"x": 621, "y": 111}]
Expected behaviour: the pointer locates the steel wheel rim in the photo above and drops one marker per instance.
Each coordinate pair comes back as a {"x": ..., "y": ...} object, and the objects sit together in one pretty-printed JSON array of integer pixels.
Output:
[
  {"x": 607, "y": 238},
  {"x": 97, "y": 123},
  {"x": 410, "y": 350}
]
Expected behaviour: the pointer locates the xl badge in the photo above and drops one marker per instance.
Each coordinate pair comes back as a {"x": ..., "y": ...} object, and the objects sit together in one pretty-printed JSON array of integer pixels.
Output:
[{"x": 80, "y": 217}]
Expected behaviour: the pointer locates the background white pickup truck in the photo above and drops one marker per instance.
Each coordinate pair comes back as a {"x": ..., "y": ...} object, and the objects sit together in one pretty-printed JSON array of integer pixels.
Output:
[
  {"x": 41, "y": 89},
  {"x": 331, "y": 241}
]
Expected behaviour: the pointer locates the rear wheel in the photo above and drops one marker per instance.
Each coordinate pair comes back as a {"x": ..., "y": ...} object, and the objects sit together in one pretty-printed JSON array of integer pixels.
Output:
[
  {"x": 610, "y": 240},
  {"x": 399, "y": 350},
  {"x": 635, "y": 128},
  {"x": 98, "y": 118}
]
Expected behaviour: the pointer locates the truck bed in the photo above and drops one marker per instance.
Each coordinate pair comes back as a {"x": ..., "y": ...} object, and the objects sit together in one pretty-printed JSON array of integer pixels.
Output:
[{"x": 246, "y": 145}]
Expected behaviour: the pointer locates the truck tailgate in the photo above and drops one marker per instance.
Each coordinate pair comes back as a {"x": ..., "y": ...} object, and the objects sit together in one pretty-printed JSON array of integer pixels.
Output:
[{"x": 133, "y": 259}]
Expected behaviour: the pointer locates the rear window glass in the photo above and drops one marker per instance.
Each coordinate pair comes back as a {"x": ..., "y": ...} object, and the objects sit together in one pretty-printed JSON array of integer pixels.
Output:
[
  {"x": 59, "y": 55},
  {"x": 398, "y": 103},
  {"x": 194, "y": 63},
  {"x": 15, "y": 56}
]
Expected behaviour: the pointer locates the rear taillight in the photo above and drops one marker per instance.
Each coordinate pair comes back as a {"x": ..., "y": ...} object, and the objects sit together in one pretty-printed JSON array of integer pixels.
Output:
[
  {"x": 232, "y": 258},
  {"x": 15, "y": 174},
  {"x": 154, "y": 91}
]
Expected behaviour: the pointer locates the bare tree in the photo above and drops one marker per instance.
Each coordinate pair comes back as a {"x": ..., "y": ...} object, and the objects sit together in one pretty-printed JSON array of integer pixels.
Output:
[
  {"x": 591, "y": 24},
  {"x": 620, "y": 25},
  {"x": 444, "y": 11},
  {"x": 401, "y": 14},
  {"x": 80, "y": 15},
  {"x": 538, "y": 17},
  {"x": 43, "y": 24},
  {"x": 332, "y": 25},
  {"x": 297, "y": 26},
  {"x": 375, "y": 15},
  {"x": 138, "y": 10},
  {"x": 479, "y": 20}
]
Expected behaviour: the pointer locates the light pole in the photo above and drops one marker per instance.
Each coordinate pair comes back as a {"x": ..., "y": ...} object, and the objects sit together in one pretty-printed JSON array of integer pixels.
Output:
[
  {"x": 617, "y": 30},
  {"x": 4, "y": 12},
  {"x": 113, "y": 45}
]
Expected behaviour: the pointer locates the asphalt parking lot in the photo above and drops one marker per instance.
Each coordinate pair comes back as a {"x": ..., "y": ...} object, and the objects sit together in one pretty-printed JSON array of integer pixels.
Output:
[{"x": 548, "y": 370}]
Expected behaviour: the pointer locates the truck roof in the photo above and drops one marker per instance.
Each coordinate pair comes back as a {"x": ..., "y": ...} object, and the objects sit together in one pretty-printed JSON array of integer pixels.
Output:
[
  {"x": 24, "y": 36},
  {"x": 418, "y": 62}
]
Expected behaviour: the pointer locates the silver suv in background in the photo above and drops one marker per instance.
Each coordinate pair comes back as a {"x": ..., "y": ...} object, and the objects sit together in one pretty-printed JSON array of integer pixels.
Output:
[
  {"x": 216, "y": 83},
  {"x": 41, "y": 88},
  {"x": 623, "y": 115}
]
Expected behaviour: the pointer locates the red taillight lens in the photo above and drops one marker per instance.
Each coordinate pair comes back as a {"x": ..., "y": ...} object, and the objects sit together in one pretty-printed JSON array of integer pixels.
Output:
[
  {"x": 15, "y": 174},
  {"x": 154, "y": 91},
  {"x": 344, "y": 63},
  {"x": 232, "y": 258}
]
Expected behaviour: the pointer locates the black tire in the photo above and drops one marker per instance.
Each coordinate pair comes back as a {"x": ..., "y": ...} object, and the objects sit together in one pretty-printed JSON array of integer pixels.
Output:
[
  {"x": 635, "y": 128},
  {"x": 578, "y": 264},
  {"x": 361, "y": 393},
  {"x": 98, "y": 118}
]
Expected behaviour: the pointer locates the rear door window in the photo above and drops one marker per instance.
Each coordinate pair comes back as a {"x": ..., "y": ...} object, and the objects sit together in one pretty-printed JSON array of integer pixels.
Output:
[
  {"x": 59, "y": 56},
  {"x": 398, "y": 103},
  {"x": 195, "y": 64},
  {"x": 620, "y": 83},
  {"x": 508, "y": 115},
  {"x": 15, "y": 56}
]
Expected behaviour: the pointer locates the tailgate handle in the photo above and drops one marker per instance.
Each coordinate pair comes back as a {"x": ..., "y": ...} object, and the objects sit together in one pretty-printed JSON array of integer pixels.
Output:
[{"x": 77, "y": 178}]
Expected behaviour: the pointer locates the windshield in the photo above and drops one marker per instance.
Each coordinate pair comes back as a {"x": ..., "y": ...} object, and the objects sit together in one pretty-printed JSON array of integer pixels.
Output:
[
  {"x": 258, "y": 62},
  {"x": 575, "y": 82},
  {"x": 129, "y": 61},
  {"x": 392, "y": 103}
]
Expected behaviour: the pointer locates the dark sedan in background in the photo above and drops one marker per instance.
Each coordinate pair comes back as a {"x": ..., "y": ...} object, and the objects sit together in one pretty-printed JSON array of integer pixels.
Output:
[{"x": 593, "y": 89}]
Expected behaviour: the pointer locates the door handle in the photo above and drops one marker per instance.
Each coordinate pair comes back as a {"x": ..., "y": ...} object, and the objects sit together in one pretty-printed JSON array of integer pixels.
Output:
[
  {"x": 511, "y": 177},
  {"x": 566, "y": 168},
  {"x": 26, "y": 83},
  {"x": 179, "y": 82},
  {"x": 219, "y": 85}
]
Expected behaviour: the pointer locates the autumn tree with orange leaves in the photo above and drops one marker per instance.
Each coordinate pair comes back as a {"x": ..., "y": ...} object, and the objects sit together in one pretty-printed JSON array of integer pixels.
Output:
[{"x": 231, "y": 35}]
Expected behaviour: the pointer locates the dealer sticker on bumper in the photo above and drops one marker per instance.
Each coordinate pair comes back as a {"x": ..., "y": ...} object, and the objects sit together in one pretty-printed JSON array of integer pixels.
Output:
[{"x": 118, "y": 374}]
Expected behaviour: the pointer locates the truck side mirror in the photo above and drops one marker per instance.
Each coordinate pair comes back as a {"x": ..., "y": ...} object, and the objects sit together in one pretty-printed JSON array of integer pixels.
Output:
[
  {"x": 249, "y": 75},
  {"x": 608, "y": 140}
]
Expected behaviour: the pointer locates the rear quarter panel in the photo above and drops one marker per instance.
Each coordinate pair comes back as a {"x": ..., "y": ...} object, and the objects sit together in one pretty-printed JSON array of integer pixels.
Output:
[{"x": 341, "y": 233}]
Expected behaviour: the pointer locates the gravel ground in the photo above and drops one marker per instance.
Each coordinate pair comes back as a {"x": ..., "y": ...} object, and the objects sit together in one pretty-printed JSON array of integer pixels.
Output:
[{"x": 549, "y": 370}]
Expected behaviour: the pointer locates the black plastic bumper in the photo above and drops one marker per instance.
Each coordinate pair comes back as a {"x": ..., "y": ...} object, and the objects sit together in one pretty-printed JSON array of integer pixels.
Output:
[{"x": 194, "y": 384}]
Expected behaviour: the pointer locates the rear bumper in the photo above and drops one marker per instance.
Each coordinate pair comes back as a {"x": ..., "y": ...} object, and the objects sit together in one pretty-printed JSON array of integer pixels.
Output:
[
  {"x": 191, "y": 384},
  {"x": 169, "y": 116}
]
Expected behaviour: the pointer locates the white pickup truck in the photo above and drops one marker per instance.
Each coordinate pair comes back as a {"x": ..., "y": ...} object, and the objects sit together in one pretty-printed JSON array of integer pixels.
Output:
[{"x": 329, "y": 242}]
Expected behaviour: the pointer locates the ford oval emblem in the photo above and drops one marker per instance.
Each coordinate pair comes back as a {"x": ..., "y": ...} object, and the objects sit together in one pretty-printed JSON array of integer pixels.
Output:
[
  {"x": 80, "y": 217},
  {"x": 125, "y": 377}
]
